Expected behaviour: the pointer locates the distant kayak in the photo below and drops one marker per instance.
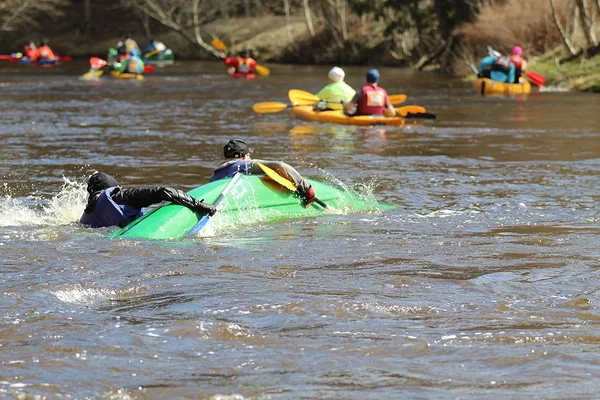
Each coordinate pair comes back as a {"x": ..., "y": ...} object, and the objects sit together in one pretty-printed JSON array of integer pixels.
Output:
[
  {"x": 308, "y": 113},
  {"x": 160, "y": 59},
  {"x": 125, "y": 75},
  {"x": 241, "y": 76},
  {"x": 488, "y": 86},
  {"x": 252, "y": 198}
]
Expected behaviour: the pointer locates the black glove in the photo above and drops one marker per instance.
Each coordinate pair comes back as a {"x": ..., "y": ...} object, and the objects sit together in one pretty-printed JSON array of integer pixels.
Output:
[{"x": 204, "y": 209}]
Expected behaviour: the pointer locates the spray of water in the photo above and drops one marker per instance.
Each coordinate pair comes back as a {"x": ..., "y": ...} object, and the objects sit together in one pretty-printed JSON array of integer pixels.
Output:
[{"x": 64, "y": 208}]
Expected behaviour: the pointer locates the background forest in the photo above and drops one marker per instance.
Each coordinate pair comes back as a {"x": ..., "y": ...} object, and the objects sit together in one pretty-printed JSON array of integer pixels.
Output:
[{"x": 434, "y": 34}]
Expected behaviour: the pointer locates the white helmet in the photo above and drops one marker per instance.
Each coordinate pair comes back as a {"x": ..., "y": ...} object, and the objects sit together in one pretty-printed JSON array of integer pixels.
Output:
[{"x": 336, "y": 74}]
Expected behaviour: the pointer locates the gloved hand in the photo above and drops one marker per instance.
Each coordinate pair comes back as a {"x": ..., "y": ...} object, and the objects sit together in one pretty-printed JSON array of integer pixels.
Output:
[
  {"x": 309, "y": 197},
  {"x": 204, "y": 209}
]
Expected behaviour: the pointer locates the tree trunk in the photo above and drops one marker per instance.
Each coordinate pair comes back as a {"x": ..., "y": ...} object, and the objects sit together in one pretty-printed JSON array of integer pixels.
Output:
[
  {"x": 288, "y": 20},
  {"x": 341, "y": 9},
  {"x": 586, "y": 23},
  {"x": 247, "y": 7},
  {"x": 563, "y": 34},
  {"x": 308, "y": 18}
]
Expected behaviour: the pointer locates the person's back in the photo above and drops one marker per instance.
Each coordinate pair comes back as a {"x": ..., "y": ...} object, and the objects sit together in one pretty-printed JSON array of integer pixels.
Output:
[
  {"x": 131, "y": 45},
  {"x": 371, "y": 99},
  {"x": 31, "y": 51},
  {"x": 337, "y": 91},
  {"x": 499, "y": 69},
  {"x": 45, "y": 52},
  {"x": 244, "y": 65}
]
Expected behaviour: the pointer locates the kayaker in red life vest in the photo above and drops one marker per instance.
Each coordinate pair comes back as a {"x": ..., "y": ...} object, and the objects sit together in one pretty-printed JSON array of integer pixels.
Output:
[
  {"x": 45, "y": 52},
  {"x": 110, "y": 205},
  {"x": 371, "y": 99},
  {"x": 243, "y": 65},
  {"x": 237, "y": 159},
  {"x": 517, "y": 59},
  {"x": 31, "y": 51}
]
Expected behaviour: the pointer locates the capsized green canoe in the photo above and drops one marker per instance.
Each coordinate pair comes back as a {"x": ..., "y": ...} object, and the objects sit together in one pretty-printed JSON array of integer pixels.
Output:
[{"x": 252, "y": 199}]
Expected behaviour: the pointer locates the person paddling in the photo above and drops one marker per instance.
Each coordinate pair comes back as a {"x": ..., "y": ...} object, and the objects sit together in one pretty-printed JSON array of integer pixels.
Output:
[
  {"x": 496, "y": 68},
  {"x": 244, "y": 65},
  {"x": 371, "y": 99},
  {"x": 237, "y": 159},
  {"x": 132, "y": 65},
  {"x": 111, "y": 205},
  {"x": 519, "y": 62},
  {"x": 336, "y": 92},
  {"x": 45, "y": 53}
]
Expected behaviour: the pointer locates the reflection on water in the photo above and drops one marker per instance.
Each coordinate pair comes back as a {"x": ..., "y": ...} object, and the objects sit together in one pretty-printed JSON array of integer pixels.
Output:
[{"x": 483, "y": 274}]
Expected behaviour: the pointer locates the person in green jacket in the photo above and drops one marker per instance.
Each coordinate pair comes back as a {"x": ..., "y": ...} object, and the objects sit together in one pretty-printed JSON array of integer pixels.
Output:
[{"x": 336, "y": 92}]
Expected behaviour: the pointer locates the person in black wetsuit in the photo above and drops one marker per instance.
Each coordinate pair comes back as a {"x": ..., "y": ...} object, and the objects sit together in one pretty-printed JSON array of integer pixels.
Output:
[{"x": 110, "y": 205}]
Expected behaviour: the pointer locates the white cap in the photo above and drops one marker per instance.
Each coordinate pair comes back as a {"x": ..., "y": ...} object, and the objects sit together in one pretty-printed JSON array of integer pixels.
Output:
[{"x": 336, "y": 74}]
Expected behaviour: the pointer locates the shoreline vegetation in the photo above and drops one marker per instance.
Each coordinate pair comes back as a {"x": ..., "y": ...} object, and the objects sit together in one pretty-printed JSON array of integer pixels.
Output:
[{"x": 559, "y": 37}]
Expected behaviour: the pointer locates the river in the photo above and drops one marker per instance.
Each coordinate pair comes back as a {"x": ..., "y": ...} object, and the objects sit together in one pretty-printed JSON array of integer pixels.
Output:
[{"x": 481, "y": 282}]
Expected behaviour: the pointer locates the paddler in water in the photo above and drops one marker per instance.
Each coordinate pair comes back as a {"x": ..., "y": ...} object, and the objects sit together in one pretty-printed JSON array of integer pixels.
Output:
[
  {"x": 519, "y": 62},
  {"x": 499, "y": 69},
  {"x": 237, "y": 159},
  {"x": 244, "y": 65},
  {"x": 110, "y": 205},
  {"x": 371, "y": 99},
  {"x": 131, "y": 65},
  {"x": 336, "y": 92}
]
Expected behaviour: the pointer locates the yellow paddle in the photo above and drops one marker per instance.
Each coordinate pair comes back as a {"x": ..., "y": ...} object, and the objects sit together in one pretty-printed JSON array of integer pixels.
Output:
[
  {"x": 303, "y": 98},
  {"x": 284, "y": 182},
  {"x": 219, "y": 45},
  {"x": 269, "y": 107}
]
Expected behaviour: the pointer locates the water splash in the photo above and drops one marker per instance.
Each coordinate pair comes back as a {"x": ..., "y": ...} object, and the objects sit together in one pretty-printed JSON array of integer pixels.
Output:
[{"x": 64, "y": 208}]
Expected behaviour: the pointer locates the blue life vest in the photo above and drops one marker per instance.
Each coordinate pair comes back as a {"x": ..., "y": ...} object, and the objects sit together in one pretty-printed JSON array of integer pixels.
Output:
[
  {"x": 230, "y": 170},
  {"x": 109, "y": 213}
]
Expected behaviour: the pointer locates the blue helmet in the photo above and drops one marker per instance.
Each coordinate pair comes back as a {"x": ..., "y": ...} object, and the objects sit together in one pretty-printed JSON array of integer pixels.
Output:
[{"x": 373, "y": 76}]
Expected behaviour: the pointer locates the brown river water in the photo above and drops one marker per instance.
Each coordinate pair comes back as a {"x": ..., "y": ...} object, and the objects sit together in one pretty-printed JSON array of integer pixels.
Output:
[{"x": 481, "y": 282}]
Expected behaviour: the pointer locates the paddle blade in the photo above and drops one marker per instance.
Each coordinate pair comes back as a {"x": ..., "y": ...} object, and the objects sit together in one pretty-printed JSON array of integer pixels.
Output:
[
  {"x": 97, "y": 62},
  {"x": 536, "y": 79},
  {"x": 262, "y": 70},
  {"x": 302, "y": 98},
  {"x": 217, "y": 44},
  {"x": 149, "y": 68},
  {"x": 420, "y": 115},
  {"x": 403, "y": 111},
  {"x": 199, "y": 225},
  {"x": 93, "y": 74},
  {"x": 397, "y": 99},
  {"x": 269, "y": 107},
  {"x": 277, "y": 178}
]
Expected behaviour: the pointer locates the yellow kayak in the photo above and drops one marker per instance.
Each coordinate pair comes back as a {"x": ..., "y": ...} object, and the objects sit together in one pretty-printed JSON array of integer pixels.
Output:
[
  {"x": 307, "y": 113},
  {"x": 488, "y": 86},
  {"x": 125, "y": 75}
]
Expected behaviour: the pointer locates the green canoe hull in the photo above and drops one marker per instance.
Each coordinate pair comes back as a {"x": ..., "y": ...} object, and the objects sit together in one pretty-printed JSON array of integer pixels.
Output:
[{"x": 252, "y": 199}]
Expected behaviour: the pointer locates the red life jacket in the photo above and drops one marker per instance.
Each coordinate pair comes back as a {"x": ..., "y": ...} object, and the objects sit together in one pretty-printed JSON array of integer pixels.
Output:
[
  {"x": 372, "y": 101},
  {"x": 517, "y": 60}
]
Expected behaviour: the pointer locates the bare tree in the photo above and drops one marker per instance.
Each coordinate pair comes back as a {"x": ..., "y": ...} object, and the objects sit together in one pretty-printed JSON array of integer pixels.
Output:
[
  {"x": 587, "y": 24},
  {"x": 563, "y": 33},
  {"x": 288, "y": 19},
  {"x": 17, "y": 13},
  {"x": 186, "y": 17},
  {"x": 308, "y": 18}
]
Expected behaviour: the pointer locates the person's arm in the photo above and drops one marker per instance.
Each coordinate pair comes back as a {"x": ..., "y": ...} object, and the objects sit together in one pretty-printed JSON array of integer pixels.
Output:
[
  {"x": 389, "y": 111},
  {"x": 352, "y": 104},
  {"x": 288, "y": 172},
  {"x": 144, "y": 197},
  {"x": 252, "y": 65}
]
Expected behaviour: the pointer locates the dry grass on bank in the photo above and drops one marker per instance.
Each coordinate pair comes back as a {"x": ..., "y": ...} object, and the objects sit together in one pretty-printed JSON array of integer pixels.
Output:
[{"x": 528, "y": 24}]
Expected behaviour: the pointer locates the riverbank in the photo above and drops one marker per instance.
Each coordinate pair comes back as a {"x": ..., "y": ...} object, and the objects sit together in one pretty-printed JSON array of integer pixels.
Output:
[{"x": 578, "y": 75}]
